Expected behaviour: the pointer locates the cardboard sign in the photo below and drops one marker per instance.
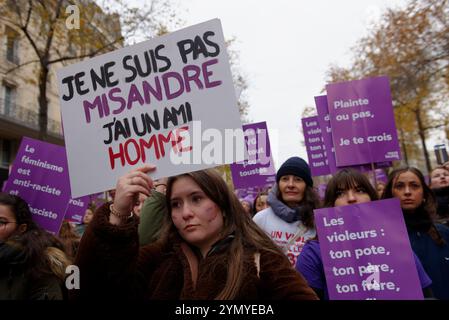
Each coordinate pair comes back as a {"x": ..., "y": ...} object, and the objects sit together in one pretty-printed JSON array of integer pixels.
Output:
[
  {"x": 169, "y": 101},
  {"x": 366, "y": 252}
]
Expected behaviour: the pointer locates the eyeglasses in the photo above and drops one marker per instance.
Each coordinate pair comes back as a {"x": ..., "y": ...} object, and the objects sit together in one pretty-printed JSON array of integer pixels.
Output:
[{"x": 3, "y": 223}]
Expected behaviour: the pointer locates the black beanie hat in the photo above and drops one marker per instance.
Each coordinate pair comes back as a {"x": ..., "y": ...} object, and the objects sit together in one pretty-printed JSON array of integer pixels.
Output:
[{"x": 297, "y": 167}]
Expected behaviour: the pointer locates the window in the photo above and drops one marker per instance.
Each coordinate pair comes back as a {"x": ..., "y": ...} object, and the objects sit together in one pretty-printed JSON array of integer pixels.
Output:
[
  {"x": 12, "y": 46},
  {"x": 5, "y": 153},
  {"x": 9, "y": 101}
]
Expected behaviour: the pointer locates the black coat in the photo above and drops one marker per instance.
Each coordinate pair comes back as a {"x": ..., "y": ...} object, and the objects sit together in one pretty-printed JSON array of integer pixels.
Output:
[
  {"x": 15, "y": 282},
  {"x": 442, "y": 196}
]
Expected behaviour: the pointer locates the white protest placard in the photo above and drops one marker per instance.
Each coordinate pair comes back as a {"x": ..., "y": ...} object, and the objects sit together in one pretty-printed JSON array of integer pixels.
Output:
[{"x": 169, "y": 101}]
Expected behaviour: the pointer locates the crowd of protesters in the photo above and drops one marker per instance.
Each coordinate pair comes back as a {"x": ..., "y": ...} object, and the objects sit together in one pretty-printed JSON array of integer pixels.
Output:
[{"x": 191, "y": 237}]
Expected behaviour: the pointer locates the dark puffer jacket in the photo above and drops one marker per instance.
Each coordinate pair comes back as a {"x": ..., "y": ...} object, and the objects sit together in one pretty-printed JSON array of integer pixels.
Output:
[
  {"x": 113, "y": 266},
  {"x": 442, "y": 196},
  {"x": 15, "y": 282}
]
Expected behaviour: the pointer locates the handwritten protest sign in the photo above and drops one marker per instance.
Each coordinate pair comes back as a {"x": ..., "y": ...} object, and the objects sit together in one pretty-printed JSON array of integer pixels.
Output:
[
  {"x": 39, "y": 176},
  {"x": 316, "y": 150},
  {"x": 169, "y": 101},
  {"x": 259, "y": 169},
  {"x": 366, "y": 252},
  {"x": 362, "y": 121}
]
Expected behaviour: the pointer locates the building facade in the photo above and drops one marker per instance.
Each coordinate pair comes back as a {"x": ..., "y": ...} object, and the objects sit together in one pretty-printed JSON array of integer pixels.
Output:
[{"x": 19, "y": 91}]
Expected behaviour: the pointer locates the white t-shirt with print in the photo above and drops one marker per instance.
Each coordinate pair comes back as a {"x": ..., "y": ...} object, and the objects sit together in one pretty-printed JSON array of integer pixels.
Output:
[{"x": 282, "y": 232}]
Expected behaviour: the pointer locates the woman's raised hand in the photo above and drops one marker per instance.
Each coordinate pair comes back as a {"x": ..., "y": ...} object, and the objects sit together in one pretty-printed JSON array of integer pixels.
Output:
[{"x": 128, "y": 188}]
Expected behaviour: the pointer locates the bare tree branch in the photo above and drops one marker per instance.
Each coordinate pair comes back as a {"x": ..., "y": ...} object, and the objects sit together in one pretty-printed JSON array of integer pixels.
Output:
[
  {"x": 30, "y": 9},
  {"x": 21, "y": 65}
]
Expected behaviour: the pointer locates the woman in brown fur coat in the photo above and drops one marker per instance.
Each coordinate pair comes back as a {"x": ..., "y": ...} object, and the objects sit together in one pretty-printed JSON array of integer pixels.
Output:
[{"x": 208, "y": 249}]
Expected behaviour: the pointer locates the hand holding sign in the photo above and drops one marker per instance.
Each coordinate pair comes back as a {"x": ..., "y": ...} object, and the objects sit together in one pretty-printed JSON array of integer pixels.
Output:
[{"x": 127, "y": 191}]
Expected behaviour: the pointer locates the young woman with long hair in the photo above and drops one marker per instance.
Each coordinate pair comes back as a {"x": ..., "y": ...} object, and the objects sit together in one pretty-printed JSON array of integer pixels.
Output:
[
  {"x": 208, "y": 248},
  {"x": 429, "y": 240}
]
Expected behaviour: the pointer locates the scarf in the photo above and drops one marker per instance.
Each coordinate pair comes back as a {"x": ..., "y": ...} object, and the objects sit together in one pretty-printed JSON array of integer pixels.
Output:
[
  {"x": 283, "y": 211},
  {"x": 417, "y": 221}
]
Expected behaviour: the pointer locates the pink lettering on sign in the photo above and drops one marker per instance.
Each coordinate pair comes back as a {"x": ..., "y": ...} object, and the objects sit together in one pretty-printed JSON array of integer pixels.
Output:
[{"x": 171, "y": 84}]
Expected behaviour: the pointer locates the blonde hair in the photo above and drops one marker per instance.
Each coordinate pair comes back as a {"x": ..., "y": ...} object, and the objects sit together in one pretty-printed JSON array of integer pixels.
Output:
[{"x": 57, "y": 261}]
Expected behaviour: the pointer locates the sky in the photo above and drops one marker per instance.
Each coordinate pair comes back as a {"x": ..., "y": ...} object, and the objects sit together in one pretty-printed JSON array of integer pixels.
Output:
[{"x": 286, "y": 47}]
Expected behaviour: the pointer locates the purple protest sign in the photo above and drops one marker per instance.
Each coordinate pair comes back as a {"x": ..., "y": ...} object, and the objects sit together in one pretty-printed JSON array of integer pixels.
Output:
[
  {"x": 259, "y": 169},
  {"x": 380, "y": 176},
  {"x": 322, "y": 190},
  {"x": 366, "y": 252},
  {"x": 97, "y": 199},
  {"x": 326, "y": 133},
  {"x": 252, "y": 191},
  {"x": 316, "y": 150},
  {"x": 39, "y": 175},
  {"x": 76, "y": 209},
  {"x": 362, "y": 121}
]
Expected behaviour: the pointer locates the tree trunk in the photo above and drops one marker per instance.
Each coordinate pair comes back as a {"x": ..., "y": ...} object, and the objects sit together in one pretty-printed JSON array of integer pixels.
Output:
[
  {"x": 403, "y": 147},
  {"x": 43, "y": 103},
  {"x": 423, "y": 139}
]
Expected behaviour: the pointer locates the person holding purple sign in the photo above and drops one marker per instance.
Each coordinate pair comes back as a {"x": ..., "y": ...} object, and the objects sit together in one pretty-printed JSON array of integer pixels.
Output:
[
  {"x": 208, "y": 249},
  {"x": 429, "y": 240},
  {"x": 289, "y": 219},
  {"x": 32, "y": 261},
  {"x": 347, "y": 187}
]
